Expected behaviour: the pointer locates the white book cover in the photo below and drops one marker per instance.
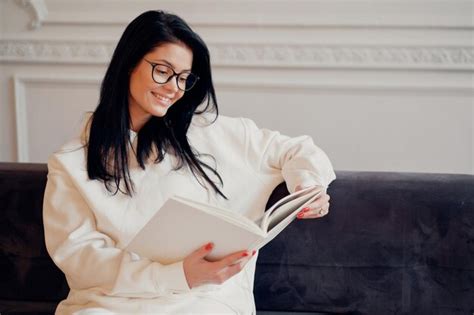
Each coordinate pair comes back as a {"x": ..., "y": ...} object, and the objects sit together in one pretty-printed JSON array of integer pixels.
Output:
[{"x": 181, "y": 226}]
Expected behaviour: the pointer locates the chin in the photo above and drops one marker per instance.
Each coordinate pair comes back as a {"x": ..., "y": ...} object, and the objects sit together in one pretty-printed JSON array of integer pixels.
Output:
[
  {"x": 160, "y": 114},
  {"x": 158, "y": 111}
]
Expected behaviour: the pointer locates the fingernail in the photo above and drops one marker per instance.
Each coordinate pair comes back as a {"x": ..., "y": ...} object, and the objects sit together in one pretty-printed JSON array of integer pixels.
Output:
[
  {"x": 209, "y": 246},
  {"x": 306, "y": 209},
  {"x": 245, "y": 254},
  {"x": 253, "y": 252},
  {"x": 300, "y": 215}
]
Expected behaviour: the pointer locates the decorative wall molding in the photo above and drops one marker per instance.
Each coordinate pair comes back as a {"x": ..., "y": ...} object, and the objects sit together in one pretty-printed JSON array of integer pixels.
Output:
[
  {"x": 404, "y": 87},
  {"x": 55, "y": 51},
  {"x": 21, "y": 119},
  {"x": 261, "y": 55},
  {"x": 343, "y": 56},
  {"x": 271, "y": 13},
  {"x": 40, "y": 11}
]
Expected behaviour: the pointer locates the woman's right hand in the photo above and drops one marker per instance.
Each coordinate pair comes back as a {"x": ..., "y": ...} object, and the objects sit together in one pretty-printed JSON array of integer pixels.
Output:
[{"x": 199, "y": 271}]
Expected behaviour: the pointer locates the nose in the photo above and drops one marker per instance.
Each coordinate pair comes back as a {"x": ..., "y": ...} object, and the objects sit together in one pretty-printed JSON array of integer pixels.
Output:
[{"x": 172, "y": 84}]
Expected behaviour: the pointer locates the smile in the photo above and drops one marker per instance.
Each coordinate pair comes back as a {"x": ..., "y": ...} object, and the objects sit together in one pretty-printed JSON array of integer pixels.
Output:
[{"x": 162, "y": 98}]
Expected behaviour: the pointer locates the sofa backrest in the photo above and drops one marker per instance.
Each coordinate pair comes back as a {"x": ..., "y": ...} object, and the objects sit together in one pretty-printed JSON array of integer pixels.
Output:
[
  {"x": 29, "y": 279},
  {"x": 392, "y": 243}
]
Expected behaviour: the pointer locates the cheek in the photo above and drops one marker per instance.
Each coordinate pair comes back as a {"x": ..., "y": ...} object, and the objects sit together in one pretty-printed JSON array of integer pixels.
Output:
[
  {"x": 139, "y": 86},
  {"x": 135, "y": 87},
  {"x": 142, "y": 94}
]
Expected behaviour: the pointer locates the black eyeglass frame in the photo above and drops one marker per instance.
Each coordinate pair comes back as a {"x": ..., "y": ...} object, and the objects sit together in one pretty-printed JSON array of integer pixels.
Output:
[{"x": 175, "y": 74}]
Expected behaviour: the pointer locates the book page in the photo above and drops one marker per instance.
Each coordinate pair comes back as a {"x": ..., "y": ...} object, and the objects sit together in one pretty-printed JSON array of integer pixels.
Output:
[
  {"x": 285, "y": 206},
  {"x": 225, "y": 214},
  {"x": 287, "y": 209},
  {"x": 280, "y": 226}
]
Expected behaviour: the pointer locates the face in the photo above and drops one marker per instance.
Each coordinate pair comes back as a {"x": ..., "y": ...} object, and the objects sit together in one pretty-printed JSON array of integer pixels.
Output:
[{"x": 148, "y": 98}]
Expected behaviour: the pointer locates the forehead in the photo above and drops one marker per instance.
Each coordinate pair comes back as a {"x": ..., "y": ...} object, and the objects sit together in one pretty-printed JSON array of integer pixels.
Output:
[{"x": 178, "y": 55}]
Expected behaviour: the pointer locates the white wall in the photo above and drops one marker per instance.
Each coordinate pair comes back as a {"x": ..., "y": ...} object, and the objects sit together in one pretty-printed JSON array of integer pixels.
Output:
[{"x": 380, "y": 85}]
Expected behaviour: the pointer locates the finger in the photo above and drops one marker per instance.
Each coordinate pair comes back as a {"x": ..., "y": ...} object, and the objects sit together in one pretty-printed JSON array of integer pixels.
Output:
[
  {"x": 312, "y": 213},
  {"x": 203, "y": 251},
  {"x": 313, "y": 207},
  {"x": 324, "y": 198},
  {"x": 321, "y": 212},
  {"x": 318, "y": 203},
  {"x": 232, "y": 259},
  {"x": 228, "y": 272},
  {"x": 244, "y": 260}
]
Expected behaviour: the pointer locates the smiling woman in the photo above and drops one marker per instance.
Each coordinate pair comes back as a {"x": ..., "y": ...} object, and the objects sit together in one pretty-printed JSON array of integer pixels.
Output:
[
  {"x": 145, "y": 142},
  {"x": 147, "y": 96}
]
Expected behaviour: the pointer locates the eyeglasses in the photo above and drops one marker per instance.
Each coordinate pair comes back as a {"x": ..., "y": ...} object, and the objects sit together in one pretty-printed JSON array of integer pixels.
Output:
[{"x": 162, "y": 74}]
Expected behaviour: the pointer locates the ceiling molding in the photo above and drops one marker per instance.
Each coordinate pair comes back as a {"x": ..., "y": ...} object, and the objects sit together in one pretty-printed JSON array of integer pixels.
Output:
[
  {"x": 260, "y": 55},
  {"x": 267, "y": 13},
  {"x": 39, "y": 9}
]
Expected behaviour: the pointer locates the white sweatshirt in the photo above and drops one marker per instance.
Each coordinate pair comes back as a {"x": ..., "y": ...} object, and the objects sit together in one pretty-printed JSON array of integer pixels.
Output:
[{"x": 86, "y": 228}]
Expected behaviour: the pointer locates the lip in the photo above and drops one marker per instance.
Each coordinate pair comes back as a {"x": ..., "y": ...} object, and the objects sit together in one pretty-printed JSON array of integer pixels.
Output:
[{"x": 161, "y": 98}]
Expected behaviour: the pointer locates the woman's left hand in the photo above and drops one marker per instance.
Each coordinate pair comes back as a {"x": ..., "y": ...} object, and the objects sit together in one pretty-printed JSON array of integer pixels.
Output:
[{"x": 318, "y": 208}]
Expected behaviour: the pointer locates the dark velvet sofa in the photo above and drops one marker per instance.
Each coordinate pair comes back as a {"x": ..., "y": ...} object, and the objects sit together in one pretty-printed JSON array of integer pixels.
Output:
[{"x": 393, "y": 243}]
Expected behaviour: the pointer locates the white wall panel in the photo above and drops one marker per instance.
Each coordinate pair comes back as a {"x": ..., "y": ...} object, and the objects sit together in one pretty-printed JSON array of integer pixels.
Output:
[
  {"x": 379, "y": 84},
  {"x": 367, "y": 129},
  {"x": 49, "y": 111}
]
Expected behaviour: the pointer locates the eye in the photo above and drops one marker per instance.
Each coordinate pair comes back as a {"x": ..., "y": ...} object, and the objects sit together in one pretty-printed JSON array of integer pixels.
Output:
[{"x": 163, "y": 70}]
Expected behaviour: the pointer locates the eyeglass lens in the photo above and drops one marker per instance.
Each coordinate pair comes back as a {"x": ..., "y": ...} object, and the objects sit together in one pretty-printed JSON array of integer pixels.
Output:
[{"x": 162, "y": 74}]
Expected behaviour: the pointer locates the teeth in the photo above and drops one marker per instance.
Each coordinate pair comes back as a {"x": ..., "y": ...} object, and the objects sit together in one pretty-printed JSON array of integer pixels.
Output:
[{"x": 165, "y": 99}]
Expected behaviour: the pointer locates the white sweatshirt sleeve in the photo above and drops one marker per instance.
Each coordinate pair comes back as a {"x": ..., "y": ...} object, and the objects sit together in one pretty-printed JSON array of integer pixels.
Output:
[
  {"x": 89, "y": 258},
  {"x": 300, "y": 161}
]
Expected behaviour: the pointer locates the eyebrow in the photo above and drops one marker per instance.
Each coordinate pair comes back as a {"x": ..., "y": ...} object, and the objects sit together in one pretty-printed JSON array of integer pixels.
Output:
[{"x": 168, "y": 63}]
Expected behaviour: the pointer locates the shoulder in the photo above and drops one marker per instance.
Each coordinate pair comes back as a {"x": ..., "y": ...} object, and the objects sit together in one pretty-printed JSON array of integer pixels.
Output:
[
  {"x": 70, "y": 156},
  {"x": 238, "y": 130},
  {"x": 224, "y": 134},
  {"x": 208, "y": 122},
  {"x": 222, "y": 125},
  {"x": 211, "y": 120}
]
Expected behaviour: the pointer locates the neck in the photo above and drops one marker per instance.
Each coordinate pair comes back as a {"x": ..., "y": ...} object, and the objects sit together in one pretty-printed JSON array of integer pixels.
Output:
[{"x": 138, "y": 120}]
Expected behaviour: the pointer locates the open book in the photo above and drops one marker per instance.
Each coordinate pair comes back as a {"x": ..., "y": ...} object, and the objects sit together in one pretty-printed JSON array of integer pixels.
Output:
[{"x": 181, "y": 226}]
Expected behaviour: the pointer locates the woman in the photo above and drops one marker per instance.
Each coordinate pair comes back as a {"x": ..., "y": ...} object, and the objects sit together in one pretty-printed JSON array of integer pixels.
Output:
[{"x": 147, "y": 140}]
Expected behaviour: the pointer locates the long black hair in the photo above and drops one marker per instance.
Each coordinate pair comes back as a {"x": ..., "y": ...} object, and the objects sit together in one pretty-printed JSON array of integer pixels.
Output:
[{"x": 109, "y": 139}]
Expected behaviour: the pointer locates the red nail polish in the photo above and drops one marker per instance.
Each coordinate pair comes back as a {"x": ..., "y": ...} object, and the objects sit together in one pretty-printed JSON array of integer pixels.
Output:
[
  {"x": 245, "y": 254},
  {"x": 209, "y": 246},
  {"x": 306, "y": 209},
  {"x": 253, "y": 252},
  {"x": 300, "y": 215}
]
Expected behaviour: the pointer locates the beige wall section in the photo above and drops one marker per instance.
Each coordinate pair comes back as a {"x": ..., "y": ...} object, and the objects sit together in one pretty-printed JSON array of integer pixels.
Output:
[{"x": 378, "y": 90}]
